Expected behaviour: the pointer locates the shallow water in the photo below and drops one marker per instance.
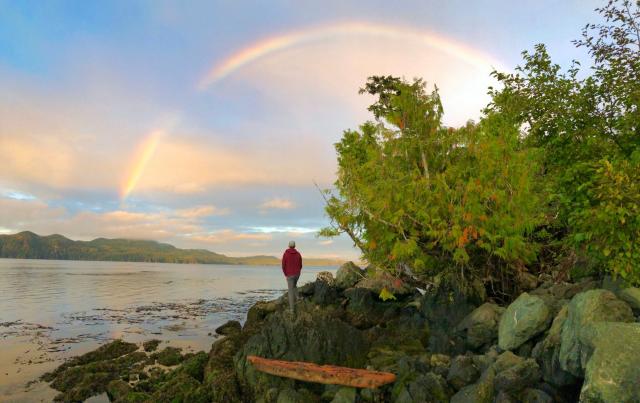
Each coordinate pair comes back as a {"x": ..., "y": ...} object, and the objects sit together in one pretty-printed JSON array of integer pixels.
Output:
[{"x": 51, "y": 310}]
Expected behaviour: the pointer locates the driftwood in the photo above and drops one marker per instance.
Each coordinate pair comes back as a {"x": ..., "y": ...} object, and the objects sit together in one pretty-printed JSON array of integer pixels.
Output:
[{"x": 327, "y": 374}]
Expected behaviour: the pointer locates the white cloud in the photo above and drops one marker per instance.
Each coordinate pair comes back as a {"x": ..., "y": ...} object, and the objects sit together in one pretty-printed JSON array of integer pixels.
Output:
[
  {"x": 283, "y": 229},
  {"x": 277, "y": 203}
]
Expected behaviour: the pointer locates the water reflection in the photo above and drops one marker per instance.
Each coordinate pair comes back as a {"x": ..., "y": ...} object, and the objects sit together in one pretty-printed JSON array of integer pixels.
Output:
[{"x": 50, "y": 310}]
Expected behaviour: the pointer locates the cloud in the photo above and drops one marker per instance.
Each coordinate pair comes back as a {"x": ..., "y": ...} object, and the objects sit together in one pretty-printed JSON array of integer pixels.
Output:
[
  {"x": 283, "y": 229},
  {"x": 277, "y": 203},
  {"x": 228, "y": 235},
  {"x": 201, "y": 211}
]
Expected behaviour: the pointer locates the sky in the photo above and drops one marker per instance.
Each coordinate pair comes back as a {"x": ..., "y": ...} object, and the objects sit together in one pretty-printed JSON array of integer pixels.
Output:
[{"x": 206, "y": 124}]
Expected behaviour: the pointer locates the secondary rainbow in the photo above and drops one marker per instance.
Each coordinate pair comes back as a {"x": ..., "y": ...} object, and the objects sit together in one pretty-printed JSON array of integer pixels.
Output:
[
  {"x": 147, "y": 149},
  {"x": 268, "y": 46}
]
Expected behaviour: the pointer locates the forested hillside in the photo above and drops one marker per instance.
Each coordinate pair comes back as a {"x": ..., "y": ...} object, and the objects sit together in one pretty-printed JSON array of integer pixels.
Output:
[{"x": 27, "y": 245}]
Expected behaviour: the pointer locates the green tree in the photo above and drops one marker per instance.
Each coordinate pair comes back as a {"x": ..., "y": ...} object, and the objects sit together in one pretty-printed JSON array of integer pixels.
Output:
[
  {"x": 412, "y": 192},
  {"x": 589, "y": 131}
]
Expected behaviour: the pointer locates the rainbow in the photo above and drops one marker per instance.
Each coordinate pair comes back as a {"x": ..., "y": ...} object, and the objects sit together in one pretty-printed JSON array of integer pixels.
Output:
[
  {"x": 147, "y": 149},
  {"x": 271, "y": 45}
]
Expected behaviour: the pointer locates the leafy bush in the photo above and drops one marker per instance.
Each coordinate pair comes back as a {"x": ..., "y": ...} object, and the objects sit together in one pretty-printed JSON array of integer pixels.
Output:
[
  {"x": 607, "y": 223},
  {"x": 414, "y": 193}
]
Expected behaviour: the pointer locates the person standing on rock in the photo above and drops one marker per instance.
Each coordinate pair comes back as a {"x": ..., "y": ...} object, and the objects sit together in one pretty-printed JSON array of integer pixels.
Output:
[{"x": 291, "y": 267}]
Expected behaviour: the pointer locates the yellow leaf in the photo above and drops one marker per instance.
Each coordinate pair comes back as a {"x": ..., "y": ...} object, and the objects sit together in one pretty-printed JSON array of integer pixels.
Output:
[{"x": 386, "y": 295}]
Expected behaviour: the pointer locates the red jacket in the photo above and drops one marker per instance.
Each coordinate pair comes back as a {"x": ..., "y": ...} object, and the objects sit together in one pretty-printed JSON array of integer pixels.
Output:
[{"x": 291, "y": 262}]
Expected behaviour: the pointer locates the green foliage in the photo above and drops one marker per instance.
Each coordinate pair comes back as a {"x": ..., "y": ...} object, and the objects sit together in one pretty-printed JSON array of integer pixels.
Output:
[
  {"x": 607, "y": 224},
  {"x": 589, "y": 131},
  {"x": 412, "y": 192},
  {"x": 548, "y": 176}
]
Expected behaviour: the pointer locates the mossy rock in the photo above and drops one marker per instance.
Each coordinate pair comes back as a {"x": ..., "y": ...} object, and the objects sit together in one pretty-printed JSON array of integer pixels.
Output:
[
  {"x": 584, "y": 309},
  {"x": 480, "y": 327},
  {"x": 612, "y": 371},
  {"x": 631, "y": 296},
  {"x": 118, "y": 390},
  {"x": 109, "y": 351},
  {"x": 231, "y": 327},
  {"x": 480, "y": 392},
  {"x": 526, "y": 317},
  {"x": 462, "y": 372},
  {"x": 345, "y": 395},
  {"x": 348, "y": 275},
  {"x": 421, "y": 387},
  {"x": 194, "y": 366},
  {"x": 169, "y": 357},
  {"x": 151, "y": 345},
  {"x": 547, "y": 353},
  {"x": 80, "y": 382},
  {"x": 181, "y": 389},
  {"x": 312, "y": 335}
]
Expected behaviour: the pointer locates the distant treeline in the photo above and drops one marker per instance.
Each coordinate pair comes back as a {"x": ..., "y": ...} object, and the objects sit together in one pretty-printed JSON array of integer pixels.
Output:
[{"x": 27, "y": 245}]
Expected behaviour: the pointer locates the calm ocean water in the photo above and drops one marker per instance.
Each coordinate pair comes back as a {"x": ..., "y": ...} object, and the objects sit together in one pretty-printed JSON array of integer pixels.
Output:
[{"x": 50, "y": 310}]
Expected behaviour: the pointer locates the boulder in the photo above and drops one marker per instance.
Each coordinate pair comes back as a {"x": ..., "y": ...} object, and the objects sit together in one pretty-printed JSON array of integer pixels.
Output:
[
  {"x": 526, "y": 317},
  {"x": 307, "y": 289},
  {"x": 479, "y": 392},
  {"x": 484, "y": 361},
  {"x": 181, "y": 388},
  {"x": 118, "y": 390},
  {"x": 547, "y": 353},
  {"x": 462, "y": 372},
  {"x": 348, "y": 275},
  {"x": 408, "y": 334},
  {"x": 535, "y": 396},
  {"x": 219, "y": 372},
  {"x": 612, "y": 372},
  {"x": 151, "y": 345},
  {"x": 440, "y": 364},
  {"x": 631, "y": 296},
  {"x": 445, "y": 307},
  {"x": 526, "y": 281},
  {"x": 170, "y": 356},
  {"x": 584, "y": 309},
  {"x": 344, "y": 395},
  {"x": 324, "y": 293},
  {"x": 312, "y": 335},
  {"x": 362, "y": 310},
  {"x": 325, "y": 276},
  {"x": 231, "y": 327},
  {"x": 517, "y": 377},
  {"x": 422, "y": 387},
  {"x": 480, "y": 327},
  {"x": 258, "y": 313},
  {"x": 506, "y": 360},
  {"x": 290, "y": 395}
]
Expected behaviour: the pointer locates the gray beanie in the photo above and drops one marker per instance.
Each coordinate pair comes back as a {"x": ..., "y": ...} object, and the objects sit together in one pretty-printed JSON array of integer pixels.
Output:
[{"x": 292, "y": 244}]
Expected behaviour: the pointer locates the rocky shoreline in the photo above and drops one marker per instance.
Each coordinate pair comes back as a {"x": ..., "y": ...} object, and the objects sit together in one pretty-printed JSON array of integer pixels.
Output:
[{"x": 558, "y": 342}]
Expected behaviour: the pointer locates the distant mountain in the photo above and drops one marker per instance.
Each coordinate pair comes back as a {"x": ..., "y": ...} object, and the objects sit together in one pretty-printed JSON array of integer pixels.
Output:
[{"x": 27, "y": 245}]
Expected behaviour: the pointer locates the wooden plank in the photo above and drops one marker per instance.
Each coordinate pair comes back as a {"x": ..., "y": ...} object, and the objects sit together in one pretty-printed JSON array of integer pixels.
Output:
[{"x": 327, "y": 374}]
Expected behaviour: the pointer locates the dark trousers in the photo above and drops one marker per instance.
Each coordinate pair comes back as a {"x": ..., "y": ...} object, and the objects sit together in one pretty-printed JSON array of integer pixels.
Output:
[{"x": 292, "y": 283}]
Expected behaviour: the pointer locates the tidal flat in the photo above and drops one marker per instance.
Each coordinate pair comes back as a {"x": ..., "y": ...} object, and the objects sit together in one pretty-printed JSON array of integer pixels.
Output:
[{"x": 53, "y": 310}]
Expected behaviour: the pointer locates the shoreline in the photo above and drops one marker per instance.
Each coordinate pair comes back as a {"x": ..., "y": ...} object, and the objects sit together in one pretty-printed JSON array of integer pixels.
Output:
[{"x": 441, "y": 346}]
